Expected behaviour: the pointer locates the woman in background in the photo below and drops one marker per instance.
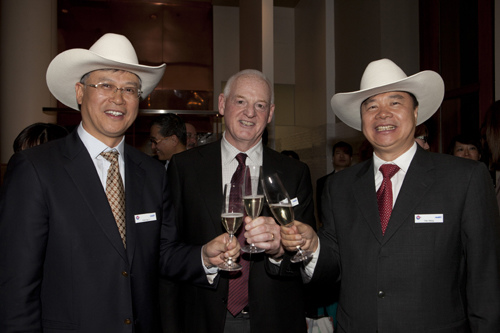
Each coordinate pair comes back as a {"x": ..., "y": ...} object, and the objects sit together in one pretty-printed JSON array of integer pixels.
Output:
[{"x": 36, "y": 134}]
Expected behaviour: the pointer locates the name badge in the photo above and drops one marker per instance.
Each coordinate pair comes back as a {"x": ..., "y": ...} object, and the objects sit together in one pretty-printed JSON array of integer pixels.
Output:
[
  {"x": 294, "y": 202},
  {"x": 148, "y": 217},
  {"x": 429, "y": 218}
]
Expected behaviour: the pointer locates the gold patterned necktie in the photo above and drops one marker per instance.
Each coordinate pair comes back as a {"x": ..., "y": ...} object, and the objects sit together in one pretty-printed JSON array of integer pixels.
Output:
[{"x": 115, "y": 192}]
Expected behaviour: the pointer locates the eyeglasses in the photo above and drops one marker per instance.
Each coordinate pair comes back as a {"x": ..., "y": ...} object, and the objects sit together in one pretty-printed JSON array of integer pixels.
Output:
[
  {"x": 422, "y": 137},
  {"x": 156, "y": 142},
  {"x": 108, "y": 89}
]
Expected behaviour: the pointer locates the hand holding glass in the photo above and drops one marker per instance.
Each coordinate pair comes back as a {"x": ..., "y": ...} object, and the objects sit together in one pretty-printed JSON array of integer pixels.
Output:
[
  {"x": 232, "y": 217},
  {"x": 281, "y": 207},
  {"x": 253, "y": 198}
]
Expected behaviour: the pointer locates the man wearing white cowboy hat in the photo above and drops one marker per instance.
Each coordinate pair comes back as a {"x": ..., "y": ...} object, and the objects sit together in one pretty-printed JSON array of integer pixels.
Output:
[
  {"x": 418, "y": 252},
  {"x": 66, "y": 263}
]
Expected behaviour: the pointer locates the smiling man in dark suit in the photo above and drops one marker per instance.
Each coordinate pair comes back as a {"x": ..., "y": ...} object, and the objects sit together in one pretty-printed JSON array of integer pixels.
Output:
[
  {"x": 80, "y": 235},
  {"x": 418, "y": 252},
  {"x": 275, "y": 301}
]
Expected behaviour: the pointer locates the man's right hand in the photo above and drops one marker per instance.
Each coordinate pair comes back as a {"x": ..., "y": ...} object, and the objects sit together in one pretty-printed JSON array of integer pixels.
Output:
[
  {"x": 300, "y": 234},
  {"x": 219, "y": 249}
]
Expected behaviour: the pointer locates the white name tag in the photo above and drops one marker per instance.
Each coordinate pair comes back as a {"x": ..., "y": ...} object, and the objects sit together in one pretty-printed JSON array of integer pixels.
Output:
[
  {"x": 294, "y": 201},
  {"x": 429, "y": 218},
  {"x": 141, "y": 218}
]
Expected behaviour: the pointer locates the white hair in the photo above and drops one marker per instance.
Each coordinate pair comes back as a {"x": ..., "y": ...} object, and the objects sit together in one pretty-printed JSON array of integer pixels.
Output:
[{"x": 248, "y": 72}]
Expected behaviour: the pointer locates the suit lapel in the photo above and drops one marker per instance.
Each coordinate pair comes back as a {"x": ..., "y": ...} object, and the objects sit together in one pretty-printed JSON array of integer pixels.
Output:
[
  {"x": 366, "y": 198},
  {"x": 82, "y": 171},
  {"x": 134, "y": 185},
  {"x": 417, "y": 182},
  {"x": 209, "y": 176}
]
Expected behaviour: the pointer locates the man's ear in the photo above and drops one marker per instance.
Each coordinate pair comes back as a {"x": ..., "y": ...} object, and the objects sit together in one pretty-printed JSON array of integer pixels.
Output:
[
  {"x": 222, "y": 104},
  {"x": 271, "y": 113},
  {"x": 79, "y": 92}
]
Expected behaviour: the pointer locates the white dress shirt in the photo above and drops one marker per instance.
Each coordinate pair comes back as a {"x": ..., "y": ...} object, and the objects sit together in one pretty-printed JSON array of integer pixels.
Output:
[{"x": 95, "y": 148}]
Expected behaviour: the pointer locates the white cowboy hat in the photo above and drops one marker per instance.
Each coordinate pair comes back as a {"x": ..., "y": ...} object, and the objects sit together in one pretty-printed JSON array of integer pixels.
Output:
[
  {"x": 110, "y": 51},
  {"x": 383, "y": 76}
]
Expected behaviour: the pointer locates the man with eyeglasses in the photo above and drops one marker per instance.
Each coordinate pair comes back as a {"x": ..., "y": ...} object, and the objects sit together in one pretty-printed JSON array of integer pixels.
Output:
[
  {"x": 192, "y": 136},
  {"x": 167, "y": 136},
  {"x": 80, "y": 217}
]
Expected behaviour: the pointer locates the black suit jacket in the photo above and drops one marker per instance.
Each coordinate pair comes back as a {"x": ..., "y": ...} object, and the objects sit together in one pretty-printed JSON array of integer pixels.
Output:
[
  {"x": 275, "y": 297},
  {"x": 63, "y": 267},
  {"x": 320, "y": 187},
  {"x": 418, "y": 277}
]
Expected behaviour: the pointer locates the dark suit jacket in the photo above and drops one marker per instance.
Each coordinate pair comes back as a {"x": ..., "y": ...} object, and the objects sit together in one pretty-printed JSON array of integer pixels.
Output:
[
  {"x": 275, "y": 297},
  {"x": 320, "y": 187},
  {"x": 419, "y": 277},
  {"x": 63, "y": 267}
]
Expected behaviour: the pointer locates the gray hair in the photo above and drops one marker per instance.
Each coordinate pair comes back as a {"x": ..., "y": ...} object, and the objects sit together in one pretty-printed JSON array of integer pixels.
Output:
[{"x": 248, "y": 72}]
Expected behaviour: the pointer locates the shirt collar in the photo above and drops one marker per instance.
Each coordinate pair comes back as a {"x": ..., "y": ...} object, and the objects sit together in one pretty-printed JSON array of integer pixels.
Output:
[
  {"x": 94, "y": 146},
  {"x": 403, "y": 161},
  {"x": 229, "y": 152}
]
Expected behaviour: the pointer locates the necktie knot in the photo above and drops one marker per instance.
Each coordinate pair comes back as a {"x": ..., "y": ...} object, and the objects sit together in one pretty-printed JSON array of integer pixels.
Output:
[
  {"x": 388, "y": 170},
  {"x": 111, "y": 156},
  {"x": 241, "y": 157}
]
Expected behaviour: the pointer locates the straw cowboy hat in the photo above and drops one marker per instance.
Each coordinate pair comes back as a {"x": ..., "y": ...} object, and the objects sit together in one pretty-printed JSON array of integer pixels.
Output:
[
  {"x": 383, "y": 76},
  {"x": 111, "y": 51}
]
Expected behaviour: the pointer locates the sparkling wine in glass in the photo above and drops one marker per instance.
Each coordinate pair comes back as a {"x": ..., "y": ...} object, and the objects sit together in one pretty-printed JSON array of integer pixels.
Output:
[
  {"x": 282, "y": 209},
  {"x": 232, "y": 217},
  {"x": 253, "y": 198}
]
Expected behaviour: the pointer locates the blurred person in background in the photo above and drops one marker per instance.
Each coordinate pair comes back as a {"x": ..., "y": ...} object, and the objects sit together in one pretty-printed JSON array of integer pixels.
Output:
[
  {"x": 168, "y": 136},
  {"x": 191, "y": 136},
  {"x": 422, "y": 136},
  {"x": 466, "y": 146},
  {"x": 491, "y": 135},
  {"x": 38, "y": 133}
]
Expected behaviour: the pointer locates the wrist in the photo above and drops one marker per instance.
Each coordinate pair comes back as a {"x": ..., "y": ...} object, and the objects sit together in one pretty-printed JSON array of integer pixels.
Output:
[
  {"x": 278, "y": 256},
  {"x": 206, "y": 259}
]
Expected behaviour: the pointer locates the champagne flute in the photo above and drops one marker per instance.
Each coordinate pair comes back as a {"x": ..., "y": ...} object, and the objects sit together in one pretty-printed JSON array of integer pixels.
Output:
[
  {"x": 253, "y": 198},
  {"x": 232, "y": 217},
  {"x": 282, "y": 209}
]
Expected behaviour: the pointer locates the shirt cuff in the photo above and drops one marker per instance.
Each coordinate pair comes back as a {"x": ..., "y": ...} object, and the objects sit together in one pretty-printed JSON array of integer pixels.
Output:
[
  {"x": 211, "y": 272},
  {"x": 275, "y": 262},
  {"x": 307, "y": 270}
]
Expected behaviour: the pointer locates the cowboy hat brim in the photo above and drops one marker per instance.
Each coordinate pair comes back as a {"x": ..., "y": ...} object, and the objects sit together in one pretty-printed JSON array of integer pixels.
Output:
[
  {"x": 68, "y": 67},
  {"x": 427, "y": 86}
]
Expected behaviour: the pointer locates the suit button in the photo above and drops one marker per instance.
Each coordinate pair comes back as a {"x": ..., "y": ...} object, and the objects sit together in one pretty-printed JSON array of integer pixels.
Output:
[
  {"x": 381, "y": 294},
  {"x": 125, "y": 274},
  {"x": 128, "y": 321}
]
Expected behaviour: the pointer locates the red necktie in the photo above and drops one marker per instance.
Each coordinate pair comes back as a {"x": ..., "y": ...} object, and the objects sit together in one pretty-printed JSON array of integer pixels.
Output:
[
  {"x": 384, "y": 194},
  {"x": 238, "y": 282}
]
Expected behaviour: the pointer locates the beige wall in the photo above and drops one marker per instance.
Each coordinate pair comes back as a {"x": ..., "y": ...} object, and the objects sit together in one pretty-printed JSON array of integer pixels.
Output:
[{"x": 28, "y": 39}]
